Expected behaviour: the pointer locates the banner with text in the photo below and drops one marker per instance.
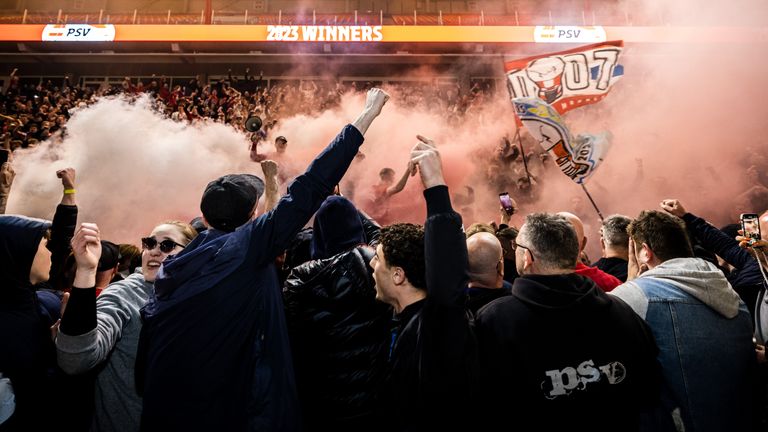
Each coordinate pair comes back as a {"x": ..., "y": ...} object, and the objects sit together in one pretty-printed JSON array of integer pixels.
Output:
[{"x": 567, "y": 79}]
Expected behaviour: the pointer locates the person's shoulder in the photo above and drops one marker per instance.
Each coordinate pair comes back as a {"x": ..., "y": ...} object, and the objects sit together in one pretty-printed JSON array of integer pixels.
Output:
[
  {"x": 127, "y": 287},
  {"x": 627, "y": 290},
  {"x": 499, "y": 308},
  {"x": 310, "y": 270}
]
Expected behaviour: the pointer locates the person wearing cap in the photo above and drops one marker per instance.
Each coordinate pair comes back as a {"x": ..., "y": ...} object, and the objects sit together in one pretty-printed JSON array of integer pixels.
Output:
[
  {"x": 106, "y": 270},
  {"x": 214, "y": 351}
]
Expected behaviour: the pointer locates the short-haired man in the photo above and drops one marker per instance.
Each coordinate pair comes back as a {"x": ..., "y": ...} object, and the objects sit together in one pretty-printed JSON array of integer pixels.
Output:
[
  {"x": 486, "y": 271},
  {"x": 605, "y": 281},
  {"x": 746, "y": 277},
  {"x": 214, "y": 351},
  {"x": 559, "y": 353},
  {"x": 614, "y": 244},
  {"x": 422, "y": 273},
  {"x": 702, "y": 328}
]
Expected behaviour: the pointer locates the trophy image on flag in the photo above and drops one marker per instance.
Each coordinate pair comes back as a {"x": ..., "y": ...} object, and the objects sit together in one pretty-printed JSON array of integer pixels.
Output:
[{"x": 547, "y": 73}]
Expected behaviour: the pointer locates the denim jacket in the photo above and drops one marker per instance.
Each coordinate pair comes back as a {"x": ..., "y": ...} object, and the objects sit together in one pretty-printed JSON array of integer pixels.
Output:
[{"x": 704, "y": 334}]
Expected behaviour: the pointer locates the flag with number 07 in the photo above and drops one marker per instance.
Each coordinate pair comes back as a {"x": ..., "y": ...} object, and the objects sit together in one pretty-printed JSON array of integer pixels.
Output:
[{"x": 568, "y": 79}]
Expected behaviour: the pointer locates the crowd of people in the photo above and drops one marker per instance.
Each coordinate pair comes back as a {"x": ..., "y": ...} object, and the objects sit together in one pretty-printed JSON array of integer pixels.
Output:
[
  {"x": 248, "y": 318},
  {"x": 34, "y": 112}
]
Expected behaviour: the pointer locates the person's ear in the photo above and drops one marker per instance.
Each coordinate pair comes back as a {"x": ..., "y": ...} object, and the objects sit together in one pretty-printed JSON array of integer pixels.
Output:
[
  {"x": 527, "y": 259},
  {"x": 398, "y": 275},
  {"x": 645, "y": 254}
]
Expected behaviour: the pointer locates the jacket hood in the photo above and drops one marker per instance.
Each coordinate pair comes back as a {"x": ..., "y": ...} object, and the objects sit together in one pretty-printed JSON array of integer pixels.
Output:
[
  {"x": 19, "y": 240},
  {"x": 209, "y": 247},
  {"x": 701, "y": 279},
  {"x": 559, "y": 292},
  {"x": 337, "y": 228}
]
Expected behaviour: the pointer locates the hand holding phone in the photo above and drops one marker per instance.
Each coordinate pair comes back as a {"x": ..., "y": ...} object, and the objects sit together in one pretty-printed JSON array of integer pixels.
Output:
[
  {"x": 507, "y": 203},
  {"x": 750, "y": 226}
]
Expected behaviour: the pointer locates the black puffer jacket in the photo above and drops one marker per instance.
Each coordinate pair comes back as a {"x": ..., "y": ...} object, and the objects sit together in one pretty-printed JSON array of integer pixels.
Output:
[{"x": 339, "y": 337}]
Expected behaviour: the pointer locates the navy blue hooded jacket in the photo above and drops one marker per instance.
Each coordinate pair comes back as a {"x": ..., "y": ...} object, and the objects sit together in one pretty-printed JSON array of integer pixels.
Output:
[
  {"x": 27, "y": 354},
  {"x": 214, "y": 351},
  {"x": 747, "y": 281},
  {"x": 337, "y": 228}
]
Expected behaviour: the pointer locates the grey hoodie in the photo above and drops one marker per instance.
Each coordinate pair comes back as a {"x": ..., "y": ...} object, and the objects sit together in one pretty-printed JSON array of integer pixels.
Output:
[
  {"x": 694, "y": 276},
  {"x": 116, "y": 338}
]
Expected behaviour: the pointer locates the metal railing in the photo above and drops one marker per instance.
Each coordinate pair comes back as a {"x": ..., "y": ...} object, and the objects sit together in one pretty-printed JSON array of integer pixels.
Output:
[{"x": 578, "y": 17}]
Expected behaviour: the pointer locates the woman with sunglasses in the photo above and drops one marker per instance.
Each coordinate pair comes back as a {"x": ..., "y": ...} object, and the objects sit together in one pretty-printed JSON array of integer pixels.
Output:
[{"x": 94, "y": 330}]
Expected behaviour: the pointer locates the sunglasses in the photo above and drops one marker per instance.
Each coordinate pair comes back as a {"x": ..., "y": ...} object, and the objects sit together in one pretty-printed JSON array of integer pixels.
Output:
[{"x": 166, "y": 246}]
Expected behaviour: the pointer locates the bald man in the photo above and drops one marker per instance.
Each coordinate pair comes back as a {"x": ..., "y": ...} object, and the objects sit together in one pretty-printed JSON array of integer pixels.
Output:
[
  {"x": 602, "y": 279},
  {"x": 486, "y": 270}
]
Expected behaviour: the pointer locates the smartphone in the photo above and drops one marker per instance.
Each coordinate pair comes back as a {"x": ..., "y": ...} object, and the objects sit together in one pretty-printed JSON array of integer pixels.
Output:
[
  {"x": 3, "y": 156},
  {"x": 750, "y": 225},
  {"x": 506, "y": 203}
]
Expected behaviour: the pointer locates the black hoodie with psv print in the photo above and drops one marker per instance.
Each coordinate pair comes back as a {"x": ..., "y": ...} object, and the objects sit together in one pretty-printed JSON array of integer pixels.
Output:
[{"x": 560, "y": 353}]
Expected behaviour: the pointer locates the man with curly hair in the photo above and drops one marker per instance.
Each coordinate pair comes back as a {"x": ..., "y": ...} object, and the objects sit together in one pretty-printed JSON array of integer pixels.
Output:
[{"x": 422, "y": 273}]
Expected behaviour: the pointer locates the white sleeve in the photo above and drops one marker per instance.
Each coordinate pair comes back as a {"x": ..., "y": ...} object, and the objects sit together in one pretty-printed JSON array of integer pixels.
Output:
[{"x": 633, "y": 296}]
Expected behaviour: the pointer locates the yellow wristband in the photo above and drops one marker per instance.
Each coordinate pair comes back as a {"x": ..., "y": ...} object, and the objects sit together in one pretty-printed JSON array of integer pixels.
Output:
[{"x": 69, "y": 191}]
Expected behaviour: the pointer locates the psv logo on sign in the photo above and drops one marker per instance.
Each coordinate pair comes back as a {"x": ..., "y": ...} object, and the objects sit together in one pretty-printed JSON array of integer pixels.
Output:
[
  {"x": 79, "y": 33},
  {"x": 559, "y": 34}
]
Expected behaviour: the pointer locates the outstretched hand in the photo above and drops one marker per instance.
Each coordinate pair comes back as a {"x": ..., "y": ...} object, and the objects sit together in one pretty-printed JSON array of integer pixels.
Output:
[
  {"x": 375, "y": 100},
  {"x": 269, "y": 167},
  {"x": 756, "y": 248},
  {"x": 67, "y": 176},
  {"x": 86, "y": 247},
  {"x": 426, "y": 157},
  {"x": 750, "y": 243},
  {"x": 673, "y": 207}
]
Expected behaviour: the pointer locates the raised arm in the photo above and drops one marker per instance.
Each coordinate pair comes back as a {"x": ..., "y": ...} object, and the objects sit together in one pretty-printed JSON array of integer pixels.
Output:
[
  {"x": 92, "y": 327},
  {"x": 64, "y": 224},
  {"x": 271, "y": 190},
  {"x": 276, "y": 228},
  {"x": 445, "y": 247},
  {"x": 710, "y": 237},
  {"x": 7, "y": 174},
  {"x": 80, "y": 315},
  {"x": 410, "y": 171}
]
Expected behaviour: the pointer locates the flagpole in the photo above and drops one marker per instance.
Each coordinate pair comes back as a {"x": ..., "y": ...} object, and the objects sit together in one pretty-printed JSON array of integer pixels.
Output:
[
  {"x": 522, "y": 153},
  {"x": 584, "y": 188}
]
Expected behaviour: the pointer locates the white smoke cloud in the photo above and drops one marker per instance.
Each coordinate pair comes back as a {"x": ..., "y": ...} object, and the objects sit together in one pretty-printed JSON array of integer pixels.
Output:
[{"x": 134, "y": 167}]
